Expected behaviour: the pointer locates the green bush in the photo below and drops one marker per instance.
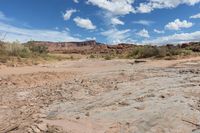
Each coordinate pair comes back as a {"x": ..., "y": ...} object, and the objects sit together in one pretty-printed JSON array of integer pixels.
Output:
[
  {"x": 92, "y": 56},
  {"x": 186, "y": 52},
  {"x": 173, "y": 52},
  {"x": 25, "y": 53},
  {"x": 143, "y": 52},
  {"x": 107, "y": 57},
  {"x": 157, "y": 52},
  {"x": 38, "y": 49}
]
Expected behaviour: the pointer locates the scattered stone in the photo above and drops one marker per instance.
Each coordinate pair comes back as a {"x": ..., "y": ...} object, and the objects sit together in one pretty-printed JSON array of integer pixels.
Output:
[
  {"x": 128, "y": 123},
  {"x": 139, "y": 99},
  {"x": 42, "y": 115},
  {"x": 140, "y": 61},
  {"x": 35, "y": 129},
  {"x": 54, "y": 129},
  {"x": 87, "y": 114},
  {"x": 11, "y": 128},
  {"x": 29, "y": 130},
  {"x": 127, "y": 93},
  {"x": 78, "y": 117},
  {"x": 162, "y": 96},
  {"x": 123, "y": 103},
  {"x": 42, "y": 126},
  {"x": 116, "y": 88},
  {"x": 132, "y": 63},
  {"x": 140, "y": 107}
]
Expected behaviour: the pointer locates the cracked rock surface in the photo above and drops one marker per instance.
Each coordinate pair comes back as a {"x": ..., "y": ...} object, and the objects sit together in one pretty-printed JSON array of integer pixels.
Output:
[{"x": 98, "y": 96}]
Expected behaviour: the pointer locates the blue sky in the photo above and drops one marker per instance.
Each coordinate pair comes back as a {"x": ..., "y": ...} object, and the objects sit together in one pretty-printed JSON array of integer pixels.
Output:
[{"x": 107, "y": 21}]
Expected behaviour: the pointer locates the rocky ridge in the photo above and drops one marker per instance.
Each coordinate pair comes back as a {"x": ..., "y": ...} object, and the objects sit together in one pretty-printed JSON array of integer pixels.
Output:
[{"x": 93, "y": 47}]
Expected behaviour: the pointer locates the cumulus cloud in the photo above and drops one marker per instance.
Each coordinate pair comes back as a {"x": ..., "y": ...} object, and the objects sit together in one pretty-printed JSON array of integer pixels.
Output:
[
  {"x": 76, "y": 1},
  {"x": 176, "y": 38},
  {"x": 117, "y": 7},
  {"x": 144, "y": 8},
  {"x": 116, "y": 36},
  {"x": 84, "y": 23},
  {"x": 143, "y": 22},
  {"x": 196, "y": 16},
  {"x": 14, "y": 33},
  {"x": 178, "y": 24},
  {"x": 116, "y": 21},
  {"x": 143, "y": 33},
  {"x": 159, "y": 31},
  {"x": 68, "y": 14},
  {"x": 160, "y": 4}
]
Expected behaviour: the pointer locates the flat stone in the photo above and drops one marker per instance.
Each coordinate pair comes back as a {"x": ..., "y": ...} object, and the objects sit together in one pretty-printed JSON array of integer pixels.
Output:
[{"x": 42, "y": 126}]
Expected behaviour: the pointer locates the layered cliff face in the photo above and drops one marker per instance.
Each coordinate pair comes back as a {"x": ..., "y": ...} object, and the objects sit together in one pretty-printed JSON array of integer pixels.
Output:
[
  {"x": 92, "y": 47},
  {"x": 86, "y": 47}
]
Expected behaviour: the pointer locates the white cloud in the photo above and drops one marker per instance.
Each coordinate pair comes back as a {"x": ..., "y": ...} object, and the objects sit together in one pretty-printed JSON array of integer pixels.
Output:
[
  {"x": 117, "y": 7},
  {"x": 144, "y": 8},
  {"x": 160, "y": 4},
  {"x": 176, "y": 38},
  {"x": 84, "y": 23},
  {"x": 143, "y": 22},
  {"x": 3, "y": 17},
  {"x": 143, "y": 33},
  {"x": 159, "y": 31},
  {"x": 76, "y": 1},
  {"x": 177, "y": 25},
  {"x": 14, "y": 33},
  {"x": 116, "y": 36},
  {"x": 68, "y": 14},
  {"x": 67, "y": 29},
  {"x": 196, "y": 16},
  {"x": 91, "y": 38},
  {"x": 116, "y": 21}
]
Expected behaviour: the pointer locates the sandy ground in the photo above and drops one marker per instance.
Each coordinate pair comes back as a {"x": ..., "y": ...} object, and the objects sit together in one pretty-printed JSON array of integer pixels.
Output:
[{"x": 98, "y": 96}]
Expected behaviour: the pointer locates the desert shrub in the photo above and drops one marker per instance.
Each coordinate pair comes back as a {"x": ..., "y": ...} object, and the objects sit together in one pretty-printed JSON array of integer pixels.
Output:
[
  {"x": 92, "y": 56},
  {"x": 143, "y": 52},
  {"x": 186, "y": 52},
  {"x": 157, "y": 52},
  {"x": 16, "y": 49},
  {"x": 162, "y": 52},
  {"x": 25, "y": 52},
  {"x": 11, "y": 53},
  {"x": 149, "y": 52},
  {"x": 2, "y": 50},
  {"x": 107, "y": 57},
  {"x": 72, "y": 57},
  {"x": 194, "y": 48},
  {"x": 38, "y": 49},
  {"x": 172, "y": 52},
  {"x": 1, "y": 45}
]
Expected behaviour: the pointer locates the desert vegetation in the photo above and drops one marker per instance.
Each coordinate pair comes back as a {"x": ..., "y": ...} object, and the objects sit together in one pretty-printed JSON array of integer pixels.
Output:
[
  {"x": 16, "y": 53},
  {"x": 39, "y": 52},
  {"x": 159, "y": 52},
  {"x": 166, "y": 52}
]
